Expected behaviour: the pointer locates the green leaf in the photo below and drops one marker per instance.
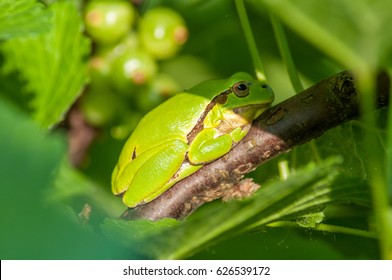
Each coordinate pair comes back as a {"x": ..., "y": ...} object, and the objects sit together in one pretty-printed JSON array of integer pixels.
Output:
[
  {"x": 132, "y": 233},
  {"x": 311, "y": 220},
  {"x": 71, "y": 185},
  {"x": 53, "y": 64},
  {"x": 22, "y": 18},
  {"x": 32, "y": 228}
]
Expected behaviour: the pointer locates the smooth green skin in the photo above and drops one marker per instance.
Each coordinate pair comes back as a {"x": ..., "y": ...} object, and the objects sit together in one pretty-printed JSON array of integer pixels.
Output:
[{"x": 157, "y": 154}]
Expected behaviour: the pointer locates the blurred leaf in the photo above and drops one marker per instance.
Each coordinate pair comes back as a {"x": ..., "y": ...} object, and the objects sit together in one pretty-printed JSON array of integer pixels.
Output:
[
  {"x": 351, "y": 32},
  {"x": 348, "y": 142},
  {"x": 308, "y": 190},
  {"x": 53, "y": 64},
  {"x": 131, "y": 233},
  {"x": 30, "y": 228},
  {"x": 71, "y": 184},
  {"x": 22, "y": 18}
]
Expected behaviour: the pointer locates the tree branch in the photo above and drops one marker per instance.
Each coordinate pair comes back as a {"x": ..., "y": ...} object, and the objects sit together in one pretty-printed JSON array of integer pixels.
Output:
[{"x": 294, "y": 121}]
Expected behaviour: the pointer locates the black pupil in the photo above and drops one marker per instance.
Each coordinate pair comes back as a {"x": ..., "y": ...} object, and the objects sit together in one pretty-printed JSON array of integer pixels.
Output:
[{"x": 242, "y": 87}]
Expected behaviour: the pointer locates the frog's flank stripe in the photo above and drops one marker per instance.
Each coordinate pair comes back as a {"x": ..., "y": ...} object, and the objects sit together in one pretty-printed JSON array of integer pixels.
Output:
[{"x": 199, "y": 125}]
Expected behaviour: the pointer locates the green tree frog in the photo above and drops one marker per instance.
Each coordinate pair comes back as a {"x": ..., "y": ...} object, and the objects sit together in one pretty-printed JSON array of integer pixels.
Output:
[{"x": 186, "y": 132}]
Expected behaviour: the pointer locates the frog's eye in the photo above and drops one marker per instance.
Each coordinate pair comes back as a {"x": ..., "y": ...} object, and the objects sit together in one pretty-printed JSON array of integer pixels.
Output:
[{"x": 241, "y": 89}]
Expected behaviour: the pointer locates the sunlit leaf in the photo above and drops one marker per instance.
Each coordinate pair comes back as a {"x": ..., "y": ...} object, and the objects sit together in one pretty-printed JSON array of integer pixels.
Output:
[
  {"x": 53, "y": 64},
  {"x": 22, "y": 17}
]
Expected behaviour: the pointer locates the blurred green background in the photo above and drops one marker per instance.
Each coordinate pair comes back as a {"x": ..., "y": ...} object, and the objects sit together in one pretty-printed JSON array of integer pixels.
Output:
[{"x": 67, "y": 106}]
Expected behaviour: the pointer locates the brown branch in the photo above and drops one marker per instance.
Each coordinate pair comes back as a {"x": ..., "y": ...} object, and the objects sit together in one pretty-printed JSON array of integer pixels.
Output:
[{"x": 294, "y": 121}]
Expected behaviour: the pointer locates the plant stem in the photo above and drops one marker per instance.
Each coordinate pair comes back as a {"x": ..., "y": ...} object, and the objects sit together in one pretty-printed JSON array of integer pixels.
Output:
[
  {"x": 389, "y": 148},
  {"x": 284, "y": 170},
  {"x": 286, "y": 54},
  {"x": 389, "y": 180},
  {"x": 260, "y": 75},
  {"x": 329, "y": 228},
  {"x": 377, "y": 178}
]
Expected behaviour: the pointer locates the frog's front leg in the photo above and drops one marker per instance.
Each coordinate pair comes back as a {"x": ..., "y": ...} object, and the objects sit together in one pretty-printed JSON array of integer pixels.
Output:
[
  {"x": 207, "y": 146},
  {"x": 152, "y": 173}
]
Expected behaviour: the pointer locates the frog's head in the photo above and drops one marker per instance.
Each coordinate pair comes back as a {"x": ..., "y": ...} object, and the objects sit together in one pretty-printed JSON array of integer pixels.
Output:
[
  {"x": 246, "y": 96},
  {"x": 240, "y": 93}
]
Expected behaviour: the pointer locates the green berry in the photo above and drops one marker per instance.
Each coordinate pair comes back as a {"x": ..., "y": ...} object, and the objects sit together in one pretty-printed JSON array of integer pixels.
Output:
[
  {"x": 99, "y": 69},
  {"x": 133, "y": 68},
  {"x": 128, "y": 43},
  {"x": 108, "y": 21},
  {"x": 163, "y": 32},
  {"x": 99, "y": 106},
  {"x": 161, "y": 88}
]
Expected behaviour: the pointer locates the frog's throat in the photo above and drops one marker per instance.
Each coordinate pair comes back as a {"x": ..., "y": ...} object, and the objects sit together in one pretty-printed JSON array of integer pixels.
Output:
[{"x": 250, "y": 112}]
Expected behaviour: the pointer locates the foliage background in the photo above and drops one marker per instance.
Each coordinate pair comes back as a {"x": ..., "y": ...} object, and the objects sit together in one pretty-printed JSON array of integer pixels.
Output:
[{"x": 43, "y": 61}]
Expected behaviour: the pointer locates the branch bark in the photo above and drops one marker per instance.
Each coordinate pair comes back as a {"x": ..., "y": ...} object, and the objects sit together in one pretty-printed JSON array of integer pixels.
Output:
[{"x": 293, "y": 122}]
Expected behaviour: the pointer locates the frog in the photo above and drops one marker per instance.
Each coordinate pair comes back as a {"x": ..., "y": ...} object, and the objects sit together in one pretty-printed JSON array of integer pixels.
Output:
[{"x": 185, "y": 133}]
